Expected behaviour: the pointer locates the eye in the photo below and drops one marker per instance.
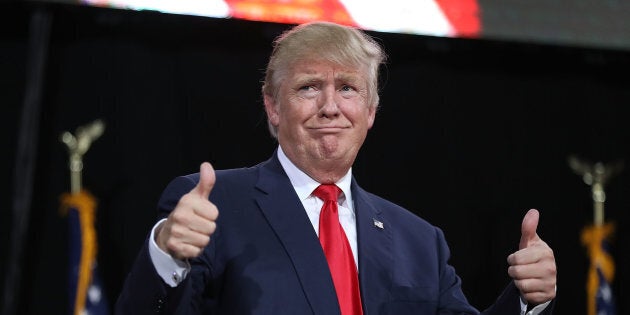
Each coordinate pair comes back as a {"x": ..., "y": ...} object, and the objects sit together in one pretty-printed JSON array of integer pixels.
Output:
[
  {"x": 307, "y": 91},
  {"x": 348, "y": 91},
  {"x": 347, "y": 88},
  {"x": 306, "y": 88}
]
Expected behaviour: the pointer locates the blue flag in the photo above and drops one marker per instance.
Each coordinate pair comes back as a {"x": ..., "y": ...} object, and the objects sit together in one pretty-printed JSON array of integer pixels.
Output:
[
  {"x": 600, "y": 298},
  {"x": 86, "y": 294},
  {"x": 605, "y": 301}
]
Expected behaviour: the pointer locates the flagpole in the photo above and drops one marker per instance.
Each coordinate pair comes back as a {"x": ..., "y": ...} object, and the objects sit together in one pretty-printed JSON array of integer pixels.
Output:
[
  {"x": 602, "y": 267},
  {"x": 80, "y": 208},
  {"x": 598, "y": 194}
]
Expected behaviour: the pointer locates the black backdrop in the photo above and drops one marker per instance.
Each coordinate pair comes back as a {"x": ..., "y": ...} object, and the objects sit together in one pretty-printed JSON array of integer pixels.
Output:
[{"x": 470, "y": 135}]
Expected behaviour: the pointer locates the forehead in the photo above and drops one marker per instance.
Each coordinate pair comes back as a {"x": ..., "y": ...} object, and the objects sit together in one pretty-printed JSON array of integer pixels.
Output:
[{"x": 315, "y": 68}]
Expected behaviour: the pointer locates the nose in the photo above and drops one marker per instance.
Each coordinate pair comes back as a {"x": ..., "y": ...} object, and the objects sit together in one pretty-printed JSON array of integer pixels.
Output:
[{"x": 329, "y": 106}]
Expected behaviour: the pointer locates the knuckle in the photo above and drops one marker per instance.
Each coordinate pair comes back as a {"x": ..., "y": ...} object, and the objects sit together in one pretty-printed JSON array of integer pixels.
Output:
[
  {"x": 205, "y": 240},
  {"x": 511, "y": 271},
  {"x": 177, "y": 231},
  {"x": 178, "y": 216},
  {"x": 194, "y": 251},
  {"x": 212, "y": 227},
  {"x": 172, "y": 246},
  {"x": 214, "y": 212},
  {"x": 185, "y": 199}
]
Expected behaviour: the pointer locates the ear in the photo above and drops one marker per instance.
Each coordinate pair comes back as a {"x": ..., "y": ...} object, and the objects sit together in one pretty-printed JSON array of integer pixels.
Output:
[
  {"x": 272, "y": 110},
  {"x": 371, "y": 116}
]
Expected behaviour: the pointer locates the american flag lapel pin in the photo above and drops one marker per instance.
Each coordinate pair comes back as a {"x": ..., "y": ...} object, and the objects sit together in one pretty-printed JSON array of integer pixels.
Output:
[{"x": 378, "y": 224}]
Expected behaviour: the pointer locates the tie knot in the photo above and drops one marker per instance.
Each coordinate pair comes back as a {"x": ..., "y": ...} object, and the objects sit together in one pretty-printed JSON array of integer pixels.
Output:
[{"x": 327, "y": 192}]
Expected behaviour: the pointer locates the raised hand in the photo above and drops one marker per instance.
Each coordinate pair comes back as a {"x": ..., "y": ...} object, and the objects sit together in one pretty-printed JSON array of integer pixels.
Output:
[
  {"x": 533, "y": 266},
  {"x": 189, "y": 226}
]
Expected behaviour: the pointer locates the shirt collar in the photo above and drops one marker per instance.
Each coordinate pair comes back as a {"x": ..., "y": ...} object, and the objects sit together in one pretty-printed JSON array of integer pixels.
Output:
[{"x": 304, "y": 184}]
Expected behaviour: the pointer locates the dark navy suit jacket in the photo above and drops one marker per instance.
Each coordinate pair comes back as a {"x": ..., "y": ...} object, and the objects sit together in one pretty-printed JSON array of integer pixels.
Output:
[{"x": 265, "y": 257}]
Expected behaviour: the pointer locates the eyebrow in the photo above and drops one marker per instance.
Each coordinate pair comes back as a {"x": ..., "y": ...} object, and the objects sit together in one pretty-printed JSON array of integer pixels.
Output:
[
  {"x": 309, "y": 78},
  {"x": 349, "y": 77}
]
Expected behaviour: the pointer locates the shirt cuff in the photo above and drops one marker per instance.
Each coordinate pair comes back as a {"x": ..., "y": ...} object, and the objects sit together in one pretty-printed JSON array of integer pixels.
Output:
[{"x": 172, "y": 270}]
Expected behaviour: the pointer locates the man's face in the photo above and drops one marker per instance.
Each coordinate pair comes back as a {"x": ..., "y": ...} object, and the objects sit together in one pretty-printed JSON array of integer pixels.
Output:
[{"x": 322, "y": 116}]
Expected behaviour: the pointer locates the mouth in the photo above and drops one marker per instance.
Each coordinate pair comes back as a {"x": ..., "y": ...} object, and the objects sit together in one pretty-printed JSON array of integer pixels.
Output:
[{"x": 329, "y": 129}]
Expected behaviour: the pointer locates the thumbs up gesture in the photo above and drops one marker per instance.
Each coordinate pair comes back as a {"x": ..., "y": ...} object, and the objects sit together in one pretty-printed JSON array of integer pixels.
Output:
[
  {"x": 189, "y": 226},
  {"x": 533, "y": 266}
]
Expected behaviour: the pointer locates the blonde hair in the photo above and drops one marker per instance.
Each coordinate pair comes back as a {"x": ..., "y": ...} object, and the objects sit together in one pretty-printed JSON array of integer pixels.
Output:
[{"x": 327, "y": 41}]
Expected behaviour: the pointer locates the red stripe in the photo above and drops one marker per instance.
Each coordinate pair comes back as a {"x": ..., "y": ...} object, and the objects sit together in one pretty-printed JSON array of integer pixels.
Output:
[
  {"x": 464, "y": 16},
  {"x": 293, "y": 12}
]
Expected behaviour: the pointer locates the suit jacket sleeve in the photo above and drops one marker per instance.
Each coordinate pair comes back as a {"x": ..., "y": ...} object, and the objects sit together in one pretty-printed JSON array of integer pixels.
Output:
[
  {"x": 509, "y": 303},
  {"x": 144, "y": 291}
]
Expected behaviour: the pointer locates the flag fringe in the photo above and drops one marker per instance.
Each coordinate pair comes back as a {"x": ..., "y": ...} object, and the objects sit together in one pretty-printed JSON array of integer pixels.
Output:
[
  {"x": 85, "y": 205},
  {"x": 593, "y": 238}
]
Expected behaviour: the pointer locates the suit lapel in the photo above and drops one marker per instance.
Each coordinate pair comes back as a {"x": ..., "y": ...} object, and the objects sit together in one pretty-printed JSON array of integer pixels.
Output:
[
  {"x": 375, "y": 248},
  {"x": 286, "y": 215}
]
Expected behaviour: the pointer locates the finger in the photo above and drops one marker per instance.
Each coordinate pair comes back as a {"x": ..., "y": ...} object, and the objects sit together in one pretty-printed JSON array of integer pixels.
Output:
[
  {"x": 172, "y": 235},
  {"x": 191, "y": 206},
  {"x": 206, "y": 180},
  {"x": 528, "y": 255},
  {"x": 185, "y": 242},
  {"x": 528, "y": 228},
  {"x": 528, "y": 271},
  {"x": 205, "y": 210},
  {"x": 195, "y": 213},
  {"x": 184, "y": 251},
  {"x": 191, "y": 238},
  {"x": 203, "y": 226},
  {"x": 535, "y": 290}
]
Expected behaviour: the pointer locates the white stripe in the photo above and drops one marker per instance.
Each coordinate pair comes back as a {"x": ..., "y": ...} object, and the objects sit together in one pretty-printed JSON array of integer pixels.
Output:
[{"x": 417, "y": 17}]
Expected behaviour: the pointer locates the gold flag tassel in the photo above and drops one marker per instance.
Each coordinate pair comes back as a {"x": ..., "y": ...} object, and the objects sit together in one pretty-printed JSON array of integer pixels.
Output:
[
  {"x": 593, "y": 237},
  {"x": 84, "y": 203}
]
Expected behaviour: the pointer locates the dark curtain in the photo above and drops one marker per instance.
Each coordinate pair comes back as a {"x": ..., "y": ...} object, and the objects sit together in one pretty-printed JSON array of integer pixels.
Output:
[{"x": 470, "y": 135}]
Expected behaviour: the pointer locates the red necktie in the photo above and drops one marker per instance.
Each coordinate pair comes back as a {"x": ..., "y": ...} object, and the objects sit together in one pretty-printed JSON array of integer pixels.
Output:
[{"x": 338, "y": 252}]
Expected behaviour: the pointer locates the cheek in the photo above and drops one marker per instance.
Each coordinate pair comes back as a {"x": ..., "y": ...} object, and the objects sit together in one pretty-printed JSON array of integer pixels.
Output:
[
  {"x": 358, "y": 113},
  {"x": 299, "y": 109}
]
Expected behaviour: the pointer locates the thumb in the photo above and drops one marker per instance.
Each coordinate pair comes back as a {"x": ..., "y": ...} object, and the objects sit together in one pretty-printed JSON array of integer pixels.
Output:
[
  {"x": 206, "y": 180},
  {"x": 528, "y": 228}
]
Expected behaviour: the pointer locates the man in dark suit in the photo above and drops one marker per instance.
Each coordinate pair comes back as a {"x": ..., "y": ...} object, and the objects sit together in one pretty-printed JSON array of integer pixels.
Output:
[{"x": 262, "y": 254}]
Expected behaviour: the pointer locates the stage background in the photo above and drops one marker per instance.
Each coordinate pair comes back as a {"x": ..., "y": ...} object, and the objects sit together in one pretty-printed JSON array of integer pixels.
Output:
[{"x": 471, "y": 134}]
